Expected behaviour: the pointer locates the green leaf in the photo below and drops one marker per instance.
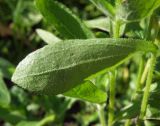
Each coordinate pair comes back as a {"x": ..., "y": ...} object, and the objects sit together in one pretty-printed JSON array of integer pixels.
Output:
[
  {"x": 134, "y": 10},
  {"x": 88, "y": 92},
  {"x": 60, "y": 67},
  {"x": 4, "y": 93},
  {"x": 6, "y": 68},
  {"x": 47, "y": 37},
  {"x": 100, "y": 23},
  {"x": 63, "y": 19},
  {"x": 104, "y": 6}
]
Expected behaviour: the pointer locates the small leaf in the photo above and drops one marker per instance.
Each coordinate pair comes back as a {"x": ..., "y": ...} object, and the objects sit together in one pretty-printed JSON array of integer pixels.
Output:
[
  {"x": 63, "y": 19},
  {"x": 104, "y": 6},
  {"x": 4, "y": 93},
  {"x": 47, "y": 37},
  {"x": 100, "y": 23},
  {"x": 134, "y": 10},
  {"x": 60, "y": 67},
  {"x": 88, "y": 92}
]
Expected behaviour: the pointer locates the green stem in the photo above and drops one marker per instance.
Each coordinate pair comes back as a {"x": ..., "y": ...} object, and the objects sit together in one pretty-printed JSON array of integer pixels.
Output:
[
  {"x": 47, "y": 120},
  {"x": 101, "y": 115},
  {"x": 145, "y": 72},
  {"x": 138, "y": 81},
  {"x": 116, "y": 31},
  {"x": 152, "y": 62},
  {"x": 140, "y": 72},
  {"x": 128, "y": 122},
  {"x": 112, "y": 76}
]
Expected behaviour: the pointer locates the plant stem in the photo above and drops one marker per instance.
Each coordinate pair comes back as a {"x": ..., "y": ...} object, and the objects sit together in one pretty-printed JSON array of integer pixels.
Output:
[
  {"x": 152, "y": 62},
  {"x": 101, "y": 115},
  {"x": 139, "y": 76},
  {"x": 112, "y": 76},
  {"x": 116, "y": 31},
  {"x": 140, "y": 71},
  {"x": 128, "y": 122},
  {"x": 47, "y": 120},
  {"x": 145, "y": 72}
]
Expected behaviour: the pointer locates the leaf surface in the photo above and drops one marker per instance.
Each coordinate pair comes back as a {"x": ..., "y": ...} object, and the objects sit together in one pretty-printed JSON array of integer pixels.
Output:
[
  {"x": 134, "y": 10},
  {"x": 57, "y": 68},
  {"x": 88, "y": 92},
  {"x": 67, "y": 24}
]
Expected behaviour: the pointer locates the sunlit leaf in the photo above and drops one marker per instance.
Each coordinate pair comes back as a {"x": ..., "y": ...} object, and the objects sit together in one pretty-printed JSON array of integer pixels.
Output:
[{"x": 60, "y": 67}]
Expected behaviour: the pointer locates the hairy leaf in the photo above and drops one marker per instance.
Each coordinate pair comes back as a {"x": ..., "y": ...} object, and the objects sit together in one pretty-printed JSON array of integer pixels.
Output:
[
  {"x": 133, "y": 10},
  {"x": 63, "y": 19},
  {"x": 88, "y": 92},
  {"x": 59, "y": 67}
]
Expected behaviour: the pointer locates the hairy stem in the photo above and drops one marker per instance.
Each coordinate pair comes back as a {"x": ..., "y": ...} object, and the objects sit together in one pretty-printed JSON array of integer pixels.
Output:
[
  {"x": 116, "y": 30},
  {"x": 152, "y": 62},
  {"x": 140, "y": 71},
  {"x": 112, "y": 76},
  {"x": 139, "y": 76},
  {"x": 101, "y": 115},
  {"x": 145, "y": 72}
]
